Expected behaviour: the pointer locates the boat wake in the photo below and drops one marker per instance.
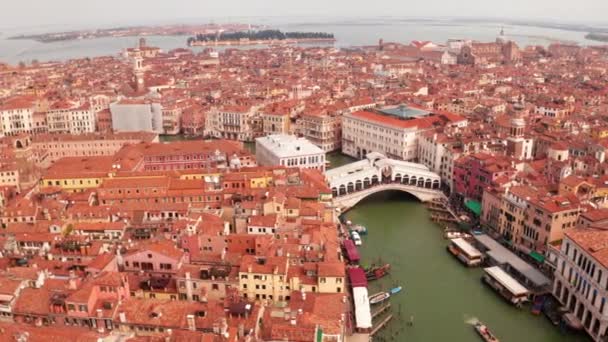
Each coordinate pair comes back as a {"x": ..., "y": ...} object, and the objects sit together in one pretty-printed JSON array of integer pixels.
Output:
[{"x": 472, "y": 320}]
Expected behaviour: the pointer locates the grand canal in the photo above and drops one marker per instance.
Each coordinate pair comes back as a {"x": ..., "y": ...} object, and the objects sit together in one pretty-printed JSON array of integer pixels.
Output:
[{"x": 441, "y": 294}]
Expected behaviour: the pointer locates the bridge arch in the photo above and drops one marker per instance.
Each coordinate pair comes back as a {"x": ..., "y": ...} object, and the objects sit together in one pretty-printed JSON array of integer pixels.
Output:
[{"x": 423, "y": 194}]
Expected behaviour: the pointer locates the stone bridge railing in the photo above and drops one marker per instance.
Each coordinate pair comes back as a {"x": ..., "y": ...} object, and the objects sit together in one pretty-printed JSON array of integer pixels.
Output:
[{"x": 351, "y": 199}]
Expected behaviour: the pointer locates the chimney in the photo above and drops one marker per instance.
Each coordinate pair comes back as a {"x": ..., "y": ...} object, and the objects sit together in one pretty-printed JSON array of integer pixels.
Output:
[
  {"x": 225, "y": 327},
  {"x": 303, "y": 294},
  {"x": 72, "y": 282},
  {"x": 100, "y": 325},
  {"x": 191, "y": 324},
  {"x": 122, "y": 317}
]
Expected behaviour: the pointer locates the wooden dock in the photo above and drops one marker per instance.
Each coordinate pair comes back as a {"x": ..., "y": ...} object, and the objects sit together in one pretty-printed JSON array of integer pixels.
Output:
[
  {"x": 380, "y": 310},
  {"x": 381, "y": 324}
]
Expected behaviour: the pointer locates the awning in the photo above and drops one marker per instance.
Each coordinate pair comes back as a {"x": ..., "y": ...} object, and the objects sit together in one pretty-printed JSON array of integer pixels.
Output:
[
  {"x": 537, "y": 256},
  {"x": 474, "y": 206},
  {"x": 319, "y": 337},
  {"x": 357, "y": 277}
]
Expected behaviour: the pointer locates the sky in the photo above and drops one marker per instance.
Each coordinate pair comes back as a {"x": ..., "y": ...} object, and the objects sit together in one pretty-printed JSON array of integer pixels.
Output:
[{"x": 104, "y": 13}]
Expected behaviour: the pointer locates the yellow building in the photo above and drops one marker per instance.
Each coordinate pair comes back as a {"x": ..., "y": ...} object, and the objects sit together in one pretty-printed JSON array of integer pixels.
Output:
[
  {"x": 264, "y": 278},
  {"x": 274, "y": 278},
  {"x": 276, "y": 123},
  {"x": 260, "y": 182},
  {"x": 77, "y": 174},
  {"x": 599, "y": 132}
]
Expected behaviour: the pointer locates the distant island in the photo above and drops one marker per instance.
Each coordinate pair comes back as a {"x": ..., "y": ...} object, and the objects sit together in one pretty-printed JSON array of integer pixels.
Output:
[
  {"x": 600, "y": 37},
  {"x": 259, "y": 37},
  {"x": 135, "y": 31}
]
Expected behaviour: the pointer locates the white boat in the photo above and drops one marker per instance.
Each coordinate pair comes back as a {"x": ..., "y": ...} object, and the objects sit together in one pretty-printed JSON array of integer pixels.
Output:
[
  {"x": 356, "y": 238},
  {"x": 379, "y": 297},
  {"x": 485, "y": 333}
]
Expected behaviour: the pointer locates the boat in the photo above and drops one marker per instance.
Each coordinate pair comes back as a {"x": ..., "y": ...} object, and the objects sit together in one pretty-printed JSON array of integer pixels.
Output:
[
  {"x": 377, "y": 272},
  {"x": 537, "y": 306},
  {"x": 485, "y": 333},
  {"x": 454, "y": 235},
  {"x": 359, "y": 229},
  {"x": 379, "y": 297},
  {"x": 396, "y": 290},
  {"x": 552, "y": 310},
  {"x": 356, "y": 238},
  {"x": 572, "y": 321}
]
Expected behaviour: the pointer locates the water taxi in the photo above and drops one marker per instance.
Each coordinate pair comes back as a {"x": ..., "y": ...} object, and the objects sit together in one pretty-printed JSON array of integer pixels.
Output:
[
  {"x": 379, "y": 297},
  {"x": 485, "y": 333},
  {"x": 465, "y": 252}
]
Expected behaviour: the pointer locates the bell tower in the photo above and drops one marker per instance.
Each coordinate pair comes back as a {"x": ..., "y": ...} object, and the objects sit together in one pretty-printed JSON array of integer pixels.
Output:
[{"x": 138, "y": 71}]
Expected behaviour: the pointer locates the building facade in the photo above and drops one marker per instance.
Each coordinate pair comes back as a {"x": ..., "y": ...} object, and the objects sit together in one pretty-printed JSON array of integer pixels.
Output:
[
  {"x": 323, "y": 130},
  {"x": 393, "y": 132},
  {"x": 133, "y": 116},
  {"x": 581, "y": 279},
  {"x": 288, "y": 150}
]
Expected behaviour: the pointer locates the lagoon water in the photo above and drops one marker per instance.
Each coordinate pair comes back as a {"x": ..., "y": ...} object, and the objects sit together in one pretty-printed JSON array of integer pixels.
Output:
[{"x": 348, "y": 32}]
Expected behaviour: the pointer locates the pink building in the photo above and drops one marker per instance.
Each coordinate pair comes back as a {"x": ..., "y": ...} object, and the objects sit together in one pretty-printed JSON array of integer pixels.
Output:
[
  {"x": 474, "y": 173},
  {"x": 94, "y": 303},
  {"x": 158, "y": 257}
]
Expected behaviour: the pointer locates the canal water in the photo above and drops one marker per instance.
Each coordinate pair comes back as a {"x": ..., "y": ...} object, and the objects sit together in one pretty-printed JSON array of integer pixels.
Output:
[{"x": 443, "y": 296}]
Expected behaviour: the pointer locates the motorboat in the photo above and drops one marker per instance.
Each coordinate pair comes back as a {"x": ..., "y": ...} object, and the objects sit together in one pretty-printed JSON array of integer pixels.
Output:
[
  {"x": 359, "y": 229},
  {"x": 485, "y": 333},
  {"x": 379, "y": 297},
  {"x": 356, "y": 238},
  {"x": 396, "y": 290}
]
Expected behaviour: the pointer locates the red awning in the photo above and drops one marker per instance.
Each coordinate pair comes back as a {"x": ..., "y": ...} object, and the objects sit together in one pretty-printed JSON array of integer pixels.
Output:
[
  {"x": 351, "y": 251},
  {"x": 357, "y": 277}
]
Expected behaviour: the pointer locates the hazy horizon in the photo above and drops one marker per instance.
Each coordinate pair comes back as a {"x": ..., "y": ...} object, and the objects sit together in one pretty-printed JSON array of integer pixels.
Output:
[{"x": 84, "y": 14}]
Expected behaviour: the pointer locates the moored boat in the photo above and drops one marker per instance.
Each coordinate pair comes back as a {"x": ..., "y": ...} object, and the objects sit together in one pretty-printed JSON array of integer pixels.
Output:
[
  {"x": 359, "y": 229},
  {"x": 377, "y": 272},
  {"x": 539, "y": 302},
  {"x": 396, "y": 290},
  {"x": 485, "y": 333},
  {"x": 356, "y": 238},
  {"x": 379, "y": 297}
]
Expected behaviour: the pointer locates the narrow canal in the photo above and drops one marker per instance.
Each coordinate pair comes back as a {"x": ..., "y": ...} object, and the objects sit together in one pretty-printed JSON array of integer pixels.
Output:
[{"x": 441, "y": 294}]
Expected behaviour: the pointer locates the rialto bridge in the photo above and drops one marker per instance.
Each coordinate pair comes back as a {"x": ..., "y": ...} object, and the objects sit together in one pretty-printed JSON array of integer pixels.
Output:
[{"x": 353, "y": 182}]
